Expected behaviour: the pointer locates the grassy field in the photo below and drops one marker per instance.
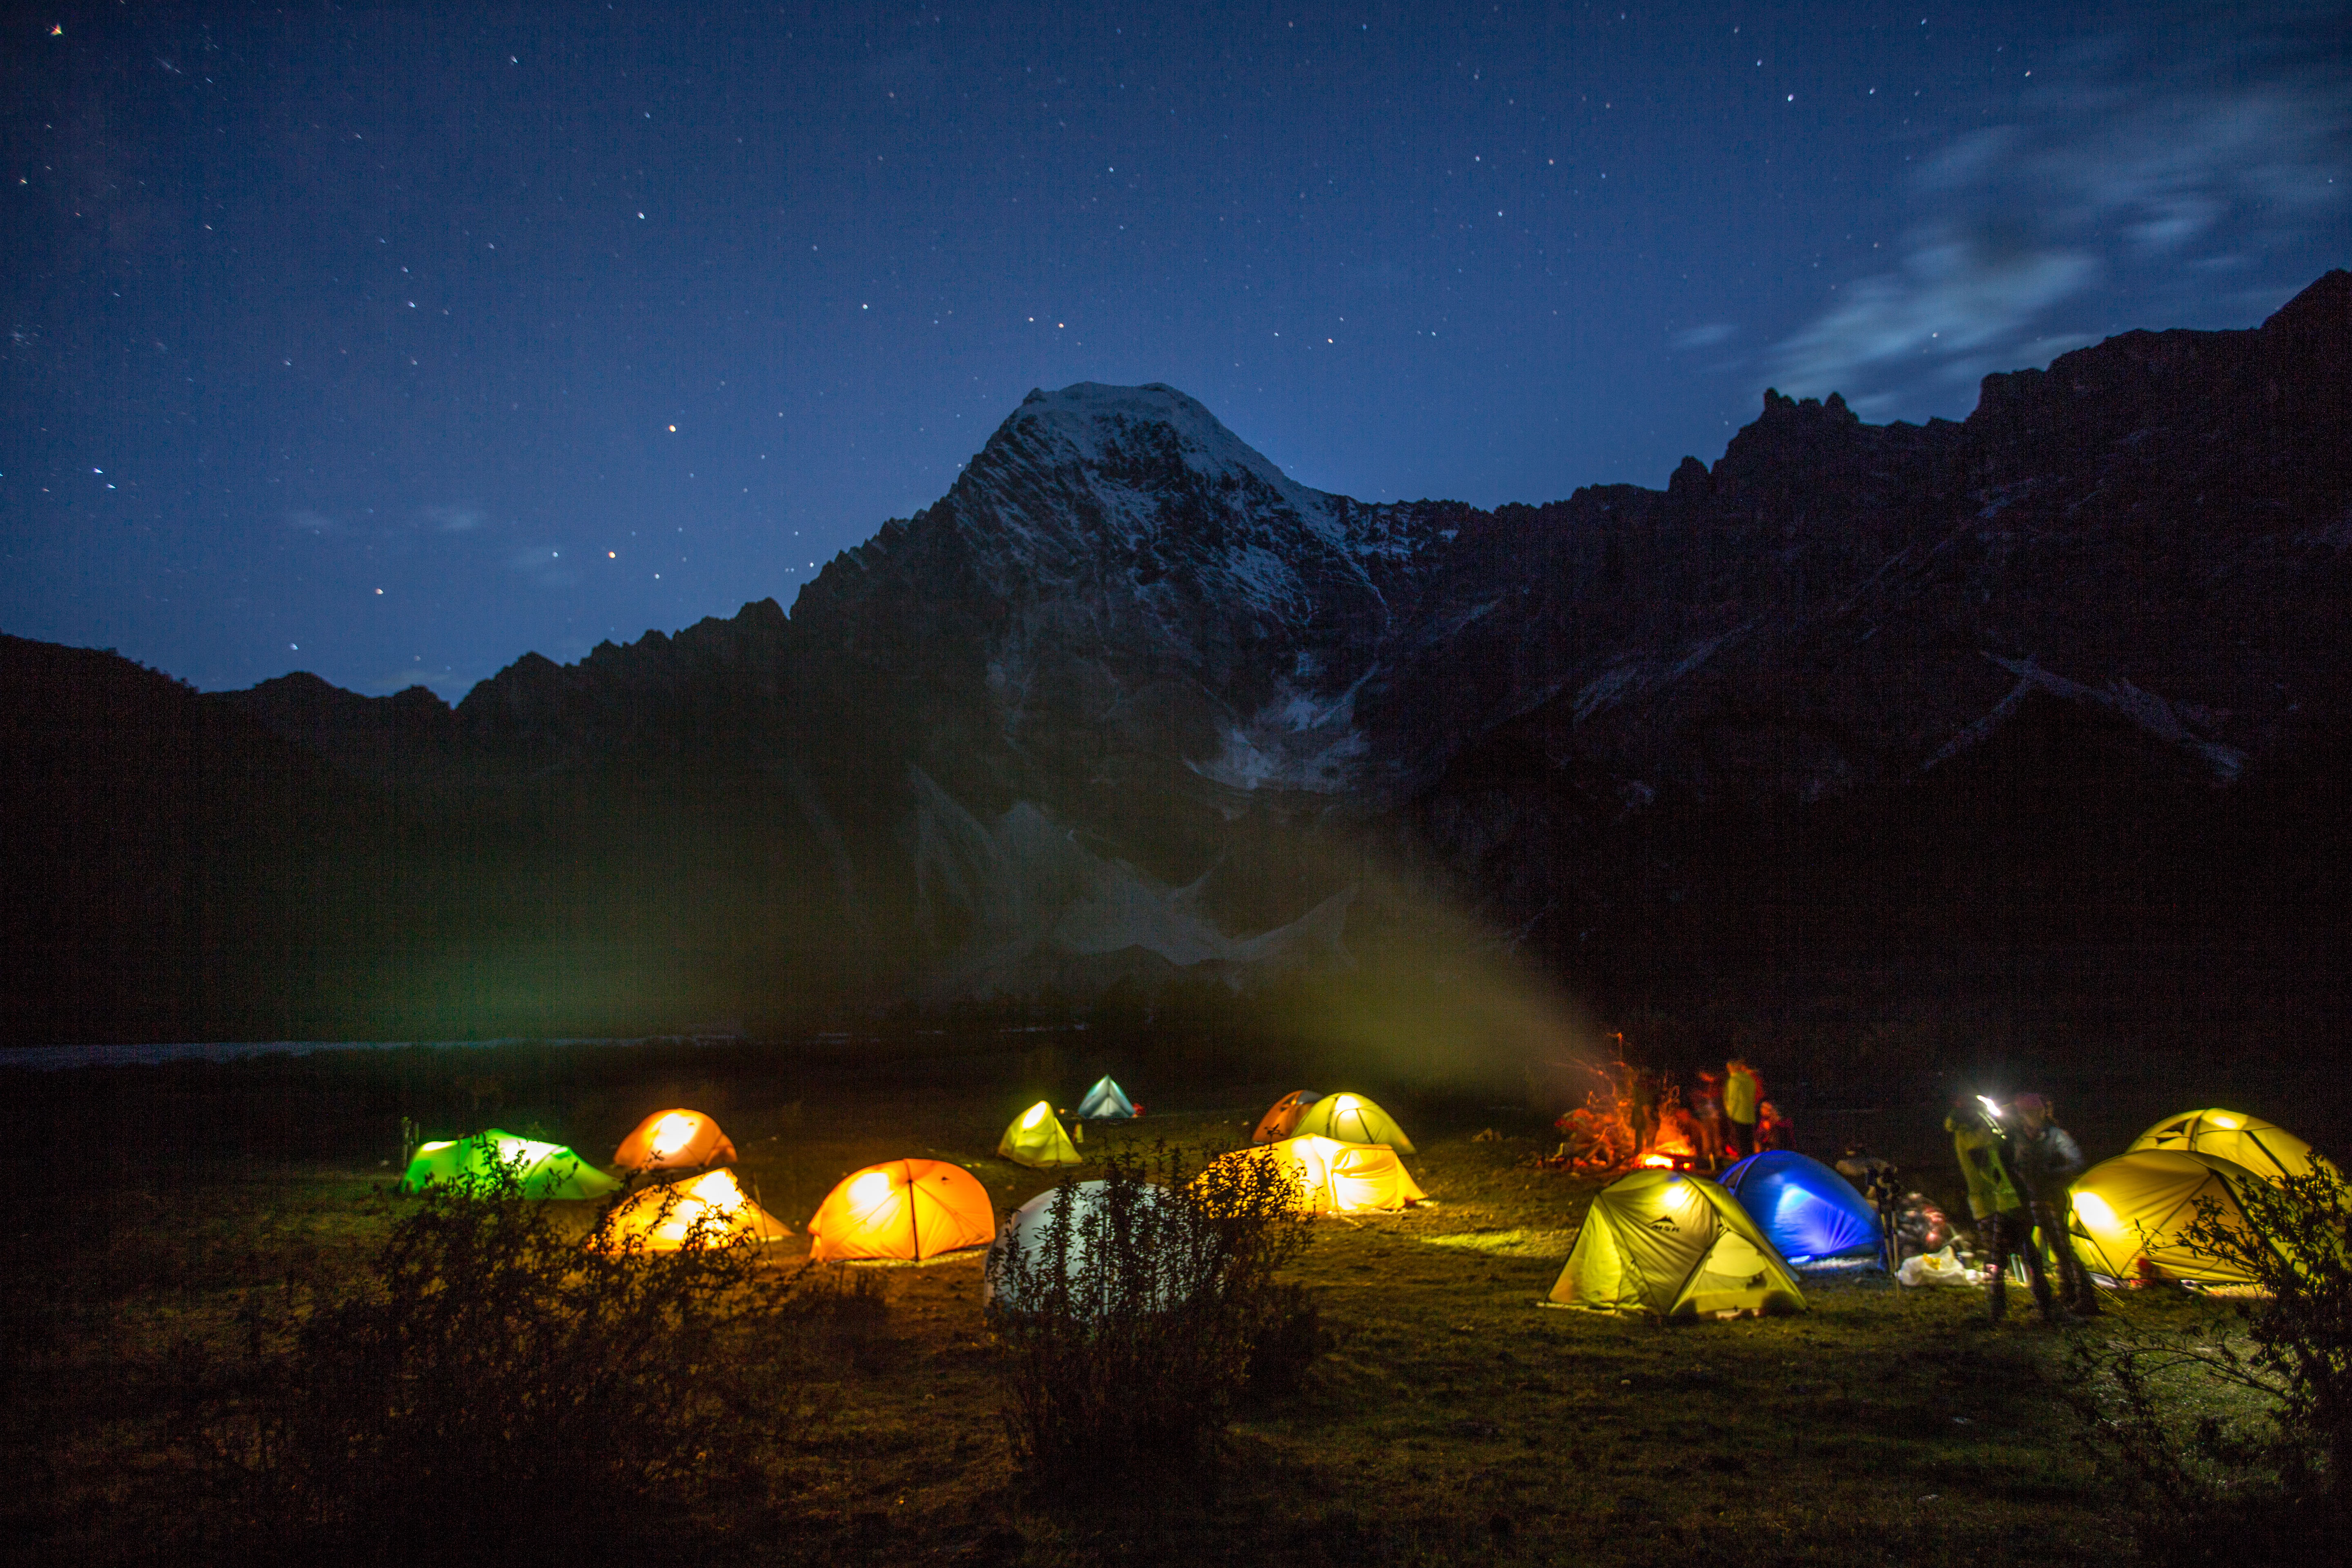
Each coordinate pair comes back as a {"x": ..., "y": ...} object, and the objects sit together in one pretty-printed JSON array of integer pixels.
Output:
[{"x": 1451, "y": 1420}]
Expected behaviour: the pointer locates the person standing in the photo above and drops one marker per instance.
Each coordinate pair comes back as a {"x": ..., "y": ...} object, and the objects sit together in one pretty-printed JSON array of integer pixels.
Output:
[
  {"x": 2045, "y": 1160},
  {"x": 1743, "y": 1098},
  {"x": 1641, "y": 1093},
  {"x": 1706, "y": 1109},
  {"x": 1999, "y": 1208}
]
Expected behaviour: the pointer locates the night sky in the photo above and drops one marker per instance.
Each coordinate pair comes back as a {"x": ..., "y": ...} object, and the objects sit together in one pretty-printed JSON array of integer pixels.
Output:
[{"x": 391, "y": 345}]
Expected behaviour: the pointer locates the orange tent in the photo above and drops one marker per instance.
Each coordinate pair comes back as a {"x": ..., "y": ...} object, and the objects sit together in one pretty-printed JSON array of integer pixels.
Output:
[
  {"x": 902, "y": 1208},
  {"x": 1280, "y": 1121},
  {"x": 674, "y": 1140},
  {"x": 660, "y": 1218},
  {"x": 1334, "y": 1177}
]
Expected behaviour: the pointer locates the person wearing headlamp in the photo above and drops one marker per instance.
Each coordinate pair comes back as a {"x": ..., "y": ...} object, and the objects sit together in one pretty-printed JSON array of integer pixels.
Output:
[{"x": 2003, "y": 1226}]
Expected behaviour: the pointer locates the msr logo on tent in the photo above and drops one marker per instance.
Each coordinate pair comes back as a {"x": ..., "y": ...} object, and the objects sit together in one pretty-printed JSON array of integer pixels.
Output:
[{"x": 1665, "y": 1222}]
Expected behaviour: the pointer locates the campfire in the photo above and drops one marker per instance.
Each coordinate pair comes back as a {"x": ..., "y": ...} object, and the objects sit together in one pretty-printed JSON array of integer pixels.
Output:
[{"x": 1604, "y": 1135}]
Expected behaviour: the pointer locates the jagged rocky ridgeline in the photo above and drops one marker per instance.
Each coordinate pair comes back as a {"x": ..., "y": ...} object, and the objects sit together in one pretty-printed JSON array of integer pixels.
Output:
[{"x": 1127, "y": 701}]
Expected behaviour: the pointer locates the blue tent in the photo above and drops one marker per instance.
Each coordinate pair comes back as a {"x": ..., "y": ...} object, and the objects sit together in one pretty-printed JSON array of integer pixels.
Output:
[
  {"x": 1807, "y": 1210},
  {"x": 1105, "y": 1103}
]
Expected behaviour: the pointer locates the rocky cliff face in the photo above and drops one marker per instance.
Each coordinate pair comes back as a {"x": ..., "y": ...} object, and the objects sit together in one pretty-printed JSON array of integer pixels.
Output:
[
  {"x": 2152, "y": 532},
  {"x": 1081, "y": 716}
]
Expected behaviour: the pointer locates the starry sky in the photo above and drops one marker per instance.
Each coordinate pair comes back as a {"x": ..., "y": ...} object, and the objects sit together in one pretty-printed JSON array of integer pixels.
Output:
[{"x": 391, "y": 343}]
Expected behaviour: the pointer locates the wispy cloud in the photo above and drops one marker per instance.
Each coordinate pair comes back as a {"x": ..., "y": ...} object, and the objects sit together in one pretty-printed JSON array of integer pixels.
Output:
[
  {"x": 544, "y": 565},
  {"x": 461, "y": 518},
  {"x": 2130, "y": 181},
  {"x": 1704, "y": 337},
  {"x": 303, "y": 521}
]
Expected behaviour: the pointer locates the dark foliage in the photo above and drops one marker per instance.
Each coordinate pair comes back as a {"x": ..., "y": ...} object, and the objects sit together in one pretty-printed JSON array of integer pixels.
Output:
[
  {"x": 496, "y": 1384},
  {"x": 2235, "y": 1434},
  {"x": 1131, "y": 1330}
]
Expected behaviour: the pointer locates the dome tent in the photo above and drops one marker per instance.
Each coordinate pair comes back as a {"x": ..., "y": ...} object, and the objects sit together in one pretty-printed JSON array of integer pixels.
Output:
[
  {"x": 1036, "y": 1138},
  {"x": 1105, "y": 1102},
  {"x": 713, "y": 1206},
  {"x": 1340, "y": 1178},
  {"x": 1657, "y": 1241},
  {"x": 1094, "y": 1209},
  {"x": 2139, "y": 1204},
  {"x": 2263, "y": 1147},
  {"x": 910, "y": 1209},
  {"x": 1281, "y": 1118},
  {"x": 674, "y": 1140},
  {"x": 541, "y": 1170},
  {"x": 1804, "y": 1207},
  {"x": 1352, "y": 1118}
]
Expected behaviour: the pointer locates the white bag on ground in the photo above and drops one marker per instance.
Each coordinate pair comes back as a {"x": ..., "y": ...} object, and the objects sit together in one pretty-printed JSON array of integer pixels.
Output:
[{"x": 1935, "y": 1269}]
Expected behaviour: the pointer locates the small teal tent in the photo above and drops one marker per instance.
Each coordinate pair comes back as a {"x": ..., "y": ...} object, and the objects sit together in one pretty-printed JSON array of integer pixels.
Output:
[
  {"x": 1807, "y": 1210},
  {"x": 1105, "y": 1102}
]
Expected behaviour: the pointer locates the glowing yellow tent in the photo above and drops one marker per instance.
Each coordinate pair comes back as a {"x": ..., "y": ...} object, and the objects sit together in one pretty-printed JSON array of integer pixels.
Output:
[
  {"x": 902, "y": 1208},
  {"x": 1352, "y": 1118},
  {"x": 660, "y": 1220},
  {"x": 1341, "y": 1178},
  {"x": 2263, "y": 1147},
  {"x": 2138, "y": 1204},
  {"x": 1036, "y": 1138},
  {"x": 541, "y": 1170},
  {"x": 674, "y": 1140},
  {"x": 1281, "y": 1118},
  {"x": 1657, "y": 1241}
]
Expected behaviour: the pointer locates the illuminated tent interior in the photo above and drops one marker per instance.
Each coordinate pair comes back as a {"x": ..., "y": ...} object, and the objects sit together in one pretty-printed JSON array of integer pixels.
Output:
[
  {"x": 1675, "y": 1246},
  {"x": 1804, "y": 1207},
  {"x": 1037, "y": 1138},
  {"x": 1027, "y": 1233},
  {"x": 662, "y": 1219},
  {"x": 674, "y": 1140},
  {"x": 1352, "y": 1118},
  {"x": 909, "y": 1209},
  {"x": 2139, "y": 1204},
  {"x": 1341, "y": 1178},
  {"x": 2263, "y": 1147},
  {"x": 541, "y": 1170},
  {"x": 1105, "y": 1102},
  {"x": 1281, "y": 1119}
]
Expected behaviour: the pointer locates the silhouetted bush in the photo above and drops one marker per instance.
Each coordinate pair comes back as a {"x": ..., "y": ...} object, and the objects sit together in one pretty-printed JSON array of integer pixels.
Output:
[
  {"x": 1139, "y": 1317},
  {"x": 494, "y": 1384},
  {"x": 2234, "y": 1434}
]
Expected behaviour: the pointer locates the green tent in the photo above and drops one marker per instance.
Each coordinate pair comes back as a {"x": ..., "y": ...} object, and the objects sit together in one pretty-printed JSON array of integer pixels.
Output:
[
  {"x": 1678, "y": 1246},
  {"x": 543, "y": 1170},
  {"x": 1351, "y": 1119}
]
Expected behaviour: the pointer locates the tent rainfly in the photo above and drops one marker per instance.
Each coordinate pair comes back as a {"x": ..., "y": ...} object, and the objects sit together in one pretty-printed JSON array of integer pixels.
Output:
[
  {"x": 713, "y": 1206},
  {"x": 1805, "y": 1209},
  {"x": 1352, "y": 1118},
  {"x": 1282, "y": 1119},
  {"x": 902, "y": 1208},
  {"x": 674, "y": 1140},
  {"x": 1341, "y": 1178},
  {"x": 1105, "y": 1102},
  {"x": 541, "y": 1170},
  {"x": 1657, "y": 1241},
  {"x": 2138, "y": 1204},
  {"x": 2263, "y": 1147},
  {"x": 1027, "y": 1233},
  {"x": 1037, "y": 1138}
]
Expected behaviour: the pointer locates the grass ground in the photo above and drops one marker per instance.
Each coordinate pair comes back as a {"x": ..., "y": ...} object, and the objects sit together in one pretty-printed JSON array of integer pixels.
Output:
[{"x": 1452, "y": 1420}]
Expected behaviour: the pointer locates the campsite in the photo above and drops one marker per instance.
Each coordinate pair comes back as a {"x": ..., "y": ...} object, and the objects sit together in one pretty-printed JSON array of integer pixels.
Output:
[{"x": 1445, "y": 1416}]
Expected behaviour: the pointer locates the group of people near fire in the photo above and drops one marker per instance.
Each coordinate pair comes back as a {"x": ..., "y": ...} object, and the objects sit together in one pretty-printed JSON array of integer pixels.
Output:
[
  {"x": 1645, "y": 1113},
  {"x": 2019, "y": 1167}
]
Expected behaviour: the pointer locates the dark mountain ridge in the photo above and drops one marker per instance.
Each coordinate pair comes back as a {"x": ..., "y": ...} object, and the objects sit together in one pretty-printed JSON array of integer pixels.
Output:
[{"x": 1127, "y": 703}]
